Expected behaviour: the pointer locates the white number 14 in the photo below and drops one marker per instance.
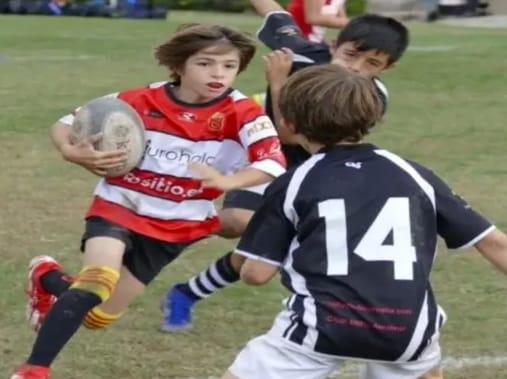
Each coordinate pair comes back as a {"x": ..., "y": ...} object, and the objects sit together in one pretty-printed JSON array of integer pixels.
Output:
[{"x": 393, "y": 217}]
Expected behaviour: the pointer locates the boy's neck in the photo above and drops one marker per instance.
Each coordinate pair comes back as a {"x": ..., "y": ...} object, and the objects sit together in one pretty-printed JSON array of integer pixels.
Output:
[{"x": 188, "y": 96}]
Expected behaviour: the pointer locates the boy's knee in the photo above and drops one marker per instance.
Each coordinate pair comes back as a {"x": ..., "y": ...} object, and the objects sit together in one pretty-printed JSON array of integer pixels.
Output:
[
  {"x": 234, "y": 221},
  {"x": 98, "y": 280}
]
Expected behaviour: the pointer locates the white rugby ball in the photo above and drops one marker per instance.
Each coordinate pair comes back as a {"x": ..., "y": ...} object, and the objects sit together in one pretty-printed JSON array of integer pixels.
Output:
[{"x": 120, "y": 125}]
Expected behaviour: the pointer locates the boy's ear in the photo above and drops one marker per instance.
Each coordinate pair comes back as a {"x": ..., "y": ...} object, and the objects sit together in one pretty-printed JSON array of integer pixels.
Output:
[{"x": 288, "y": 126}]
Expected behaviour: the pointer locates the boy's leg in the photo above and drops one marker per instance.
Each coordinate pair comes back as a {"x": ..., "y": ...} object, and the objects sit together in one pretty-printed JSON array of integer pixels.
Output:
[
  {"x": 238, "y": 208},
  {"x": 140, "y": 266},
  {"x": 126, "y": 291},
  {"x": 94, "y": 285}
]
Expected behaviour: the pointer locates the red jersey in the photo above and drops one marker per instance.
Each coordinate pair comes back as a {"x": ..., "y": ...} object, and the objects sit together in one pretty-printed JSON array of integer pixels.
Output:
[
  {"x": 311, "y": 32},
  {"x": 160, "y": 198}
]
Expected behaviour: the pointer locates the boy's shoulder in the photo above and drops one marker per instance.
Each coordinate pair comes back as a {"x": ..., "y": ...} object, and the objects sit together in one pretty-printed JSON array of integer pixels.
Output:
[{"x": 243, "y": 104}]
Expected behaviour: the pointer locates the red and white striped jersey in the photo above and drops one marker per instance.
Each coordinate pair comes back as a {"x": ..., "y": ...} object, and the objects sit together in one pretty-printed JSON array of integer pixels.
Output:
[
  {"x": 312, "y": 32},
  {"x": 160, "y": 198}
]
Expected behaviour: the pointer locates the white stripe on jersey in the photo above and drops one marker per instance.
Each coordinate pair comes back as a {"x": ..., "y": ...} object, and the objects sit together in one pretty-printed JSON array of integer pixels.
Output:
[
  {"x": 237, "y": 95},
  {"x": 158, "y": 84},
  {"x": 170, "y": 154},
  {"x": 420, "y": 329},
  {"x": 381, "y": 86},
  {"x": 154, "y": 207},
  {"x": 298, "y": 283},
  {"x": 293, "y": 187},
  {"x": 257, "y": 130},
  {"x": 269, "y": 166},
  {"x": 405, "y": 166}
]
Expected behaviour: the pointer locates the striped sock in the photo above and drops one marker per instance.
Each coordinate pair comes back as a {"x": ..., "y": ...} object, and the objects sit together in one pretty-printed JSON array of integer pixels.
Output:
[{"x": 217, "y": 276}]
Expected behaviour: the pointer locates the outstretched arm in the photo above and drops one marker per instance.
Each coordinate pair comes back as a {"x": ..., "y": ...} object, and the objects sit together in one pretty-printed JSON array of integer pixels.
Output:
[
  {"x": 263, "y": 7},
  {"x": 314, "y": 15},
  {"x": 493, "y": 247}
]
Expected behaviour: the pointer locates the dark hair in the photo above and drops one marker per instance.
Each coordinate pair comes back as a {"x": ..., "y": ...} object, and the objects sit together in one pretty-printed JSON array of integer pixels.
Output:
[
  {"x": 191, "y": 38},
  {"x": 328, "y": 104},
  {"x": 375, "y": 32}
]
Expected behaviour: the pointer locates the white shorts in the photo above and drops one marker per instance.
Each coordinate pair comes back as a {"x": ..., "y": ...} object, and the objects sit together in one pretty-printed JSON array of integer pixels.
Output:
[{"x": 272, "y": 357}]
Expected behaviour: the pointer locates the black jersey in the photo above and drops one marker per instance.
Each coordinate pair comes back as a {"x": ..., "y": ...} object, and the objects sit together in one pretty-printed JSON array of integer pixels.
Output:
[
  {"x": 280, "y": 30},
  {"x": 354, "y": 230}
]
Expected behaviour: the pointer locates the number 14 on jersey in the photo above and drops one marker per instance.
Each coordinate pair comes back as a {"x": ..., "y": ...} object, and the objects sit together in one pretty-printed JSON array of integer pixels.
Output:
[{"x": 394, "y": 217}]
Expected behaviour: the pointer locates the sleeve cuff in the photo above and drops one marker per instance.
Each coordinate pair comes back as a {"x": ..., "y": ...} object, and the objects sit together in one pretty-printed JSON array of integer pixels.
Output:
[
  {"x": 266, "y": 20},
  {"x": 476, "y": 239},
  {"x": 269, "y": 166},
  {"x": 257, "y": 258}
]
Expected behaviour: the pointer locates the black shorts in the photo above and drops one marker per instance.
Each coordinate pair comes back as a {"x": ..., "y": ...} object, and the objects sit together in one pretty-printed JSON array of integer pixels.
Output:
[
  {"x": 250, "y": 199},
  {"x": 144, "y": 257}
]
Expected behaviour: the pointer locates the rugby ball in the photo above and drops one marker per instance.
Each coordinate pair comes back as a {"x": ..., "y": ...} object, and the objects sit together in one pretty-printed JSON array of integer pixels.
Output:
[{"x": 120, "y": 125}]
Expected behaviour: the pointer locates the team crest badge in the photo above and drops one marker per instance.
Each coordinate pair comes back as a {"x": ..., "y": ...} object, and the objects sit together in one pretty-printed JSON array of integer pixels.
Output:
[{"x": 216, "y": 122}]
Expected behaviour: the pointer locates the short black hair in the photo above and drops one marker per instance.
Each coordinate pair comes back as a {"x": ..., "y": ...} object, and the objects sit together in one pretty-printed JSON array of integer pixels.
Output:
[{"x": 375, "y": 32}]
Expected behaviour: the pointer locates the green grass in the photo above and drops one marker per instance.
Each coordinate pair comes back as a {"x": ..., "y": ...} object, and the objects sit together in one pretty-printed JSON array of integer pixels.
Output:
[{"x": 447, "y": 110}]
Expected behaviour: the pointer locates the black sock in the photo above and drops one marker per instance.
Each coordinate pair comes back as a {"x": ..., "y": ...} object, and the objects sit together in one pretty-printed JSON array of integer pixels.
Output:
[
  {"x": 217, "y": 276},
  {"x": 56, "y": 282},
  {"x": 62, "y": 322}
]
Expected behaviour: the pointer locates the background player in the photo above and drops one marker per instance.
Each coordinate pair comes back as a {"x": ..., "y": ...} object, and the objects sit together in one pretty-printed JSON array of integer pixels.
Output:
[
  {"x": 136, "y": 224},
  {"x": 314, "y": 16},
  {"x": 354, "y": 250}
]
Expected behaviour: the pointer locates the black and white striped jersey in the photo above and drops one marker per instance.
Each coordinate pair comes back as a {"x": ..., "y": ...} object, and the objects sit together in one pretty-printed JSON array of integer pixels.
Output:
[
  {"x": 280, "y": 30},
  {"x": 354, "y": 231}
]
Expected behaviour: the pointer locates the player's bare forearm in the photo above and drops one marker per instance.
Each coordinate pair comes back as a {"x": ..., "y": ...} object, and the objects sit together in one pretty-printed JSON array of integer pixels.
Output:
[
  {"x": 248, "y": 177},
  {"x": 494, "y": 248},
  {"x": 263, "y": 7},
  {"x": 60, "y": 136},
  {"x": 83, "y": 152}
]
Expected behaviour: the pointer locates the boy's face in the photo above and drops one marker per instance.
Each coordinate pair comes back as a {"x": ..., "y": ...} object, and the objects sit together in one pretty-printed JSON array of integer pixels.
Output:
[
  {"x": 369, "y": 63},
  {"x": 210, "y": 72}
]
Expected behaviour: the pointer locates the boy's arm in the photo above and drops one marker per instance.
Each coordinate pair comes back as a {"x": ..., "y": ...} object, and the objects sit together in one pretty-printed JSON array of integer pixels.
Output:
[
  {"x": 268, "y": 236},
  {"x": 279, "y": 30},
  {"x": 278, "y": 66},
  {"x": 314, "y": 16},
  {"x": 260, "y": 141},
  {"x": 83, "y": 152},
  {"x": 264, "y": 7},
  {"x": 493, "y": 247}
]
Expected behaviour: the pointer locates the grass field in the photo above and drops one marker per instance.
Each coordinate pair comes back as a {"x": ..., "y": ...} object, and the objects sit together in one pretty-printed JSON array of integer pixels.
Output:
[{"x": 447, "y": 111}]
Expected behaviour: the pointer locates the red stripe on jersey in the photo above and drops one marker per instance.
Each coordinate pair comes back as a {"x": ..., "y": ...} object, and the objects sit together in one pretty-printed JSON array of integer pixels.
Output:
[
  {"x": 164, "y": 186},
  {"x": 177, "y": 231},
  {"x": 297, "y": 10},
  {"x": 267, "y": 149},
  {"x": 162, "y": 114}
]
